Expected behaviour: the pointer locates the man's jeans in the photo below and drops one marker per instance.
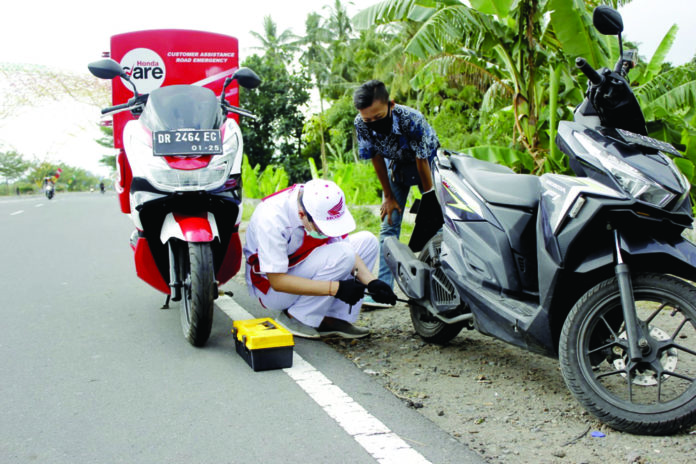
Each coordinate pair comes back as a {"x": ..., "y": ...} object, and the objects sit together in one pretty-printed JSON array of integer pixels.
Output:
[{"x": 400, "y": 192}]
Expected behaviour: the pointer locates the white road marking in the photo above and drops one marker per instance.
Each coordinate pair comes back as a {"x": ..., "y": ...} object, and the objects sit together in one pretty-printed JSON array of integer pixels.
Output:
[
  {"x": 17, "y": 212},
  {"x": 38, "y": 205},
  {"x": 375, "y": 437}
]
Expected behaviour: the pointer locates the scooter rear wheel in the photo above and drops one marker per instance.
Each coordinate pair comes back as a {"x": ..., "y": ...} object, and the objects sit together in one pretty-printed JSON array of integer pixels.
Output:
[
  {"x": 198, "y": 292},
  {"x": 430, "y": 328},
  {"x": 655, "y": 395}
]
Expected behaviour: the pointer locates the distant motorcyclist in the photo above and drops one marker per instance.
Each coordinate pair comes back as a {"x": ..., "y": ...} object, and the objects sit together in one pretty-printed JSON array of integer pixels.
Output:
[{"x": 49, "y": 187}]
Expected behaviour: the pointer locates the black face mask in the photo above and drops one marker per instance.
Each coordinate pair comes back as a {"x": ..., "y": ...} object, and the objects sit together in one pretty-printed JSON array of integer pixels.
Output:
[{"x": 382, "y": 126}]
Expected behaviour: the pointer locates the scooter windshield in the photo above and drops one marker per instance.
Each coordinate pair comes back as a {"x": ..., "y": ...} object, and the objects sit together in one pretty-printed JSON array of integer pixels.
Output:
[{"x": 181, "y": 107}]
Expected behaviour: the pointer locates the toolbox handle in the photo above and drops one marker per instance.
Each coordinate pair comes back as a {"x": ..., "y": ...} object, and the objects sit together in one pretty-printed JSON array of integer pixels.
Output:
[
  {"x": 268, "y": 325},
  {"x": 246, "y": 348}
]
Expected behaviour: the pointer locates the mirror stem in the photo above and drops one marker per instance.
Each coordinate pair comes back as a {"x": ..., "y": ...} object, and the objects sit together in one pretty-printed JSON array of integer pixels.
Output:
[{"x": 619, "y": 63}]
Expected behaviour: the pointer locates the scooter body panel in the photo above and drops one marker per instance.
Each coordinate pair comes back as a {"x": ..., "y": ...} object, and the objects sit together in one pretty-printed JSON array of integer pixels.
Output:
[{"x": 146, "y": 268}]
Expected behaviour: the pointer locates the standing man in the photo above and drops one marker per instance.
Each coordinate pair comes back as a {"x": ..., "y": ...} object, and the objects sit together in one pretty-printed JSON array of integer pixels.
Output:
[
  {"x": 401, "y": 145},
  {"x": 301, "y": 261}
]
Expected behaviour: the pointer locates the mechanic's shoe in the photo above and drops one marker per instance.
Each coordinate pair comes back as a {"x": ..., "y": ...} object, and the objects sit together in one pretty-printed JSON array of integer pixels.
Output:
[
  {"x": 369, "y": 304},
  {"x": 332, "y": 327},
  {"x": 295, "y": 327}
]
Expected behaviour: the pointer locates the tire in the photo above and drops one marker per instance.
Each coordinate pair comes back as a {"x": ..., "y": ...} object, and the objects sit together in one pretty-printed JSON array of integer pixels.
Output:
[
  {"x": 428, "y": 327},
  {"x": 198, "y": 292},
  {"x": 660, "y": 398}
]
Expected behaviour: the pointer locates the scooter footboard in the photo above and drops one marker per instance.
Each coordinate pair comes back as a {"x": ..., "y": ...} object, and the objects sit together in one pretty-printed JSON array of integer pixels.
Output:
[{"x": 410, "y": 273}]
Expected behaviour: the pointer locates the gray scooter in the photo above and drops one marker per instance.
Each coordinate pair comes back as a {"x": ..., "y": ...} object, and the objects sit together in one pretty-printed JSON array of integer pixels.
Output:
[{"x": 593, "y": 269}]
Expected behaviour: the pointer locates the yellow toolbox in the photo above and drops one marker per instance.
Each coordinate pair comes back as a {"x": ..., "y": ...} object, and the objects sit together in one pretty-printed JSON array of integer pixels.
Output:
[{"x": 263, "y": 343}]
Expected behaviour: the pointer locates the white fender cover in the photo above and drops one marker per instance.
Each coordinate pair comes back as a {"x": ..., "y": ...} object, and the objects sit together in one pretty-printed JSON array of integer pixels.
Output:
[{"x": 189, "y": 228}]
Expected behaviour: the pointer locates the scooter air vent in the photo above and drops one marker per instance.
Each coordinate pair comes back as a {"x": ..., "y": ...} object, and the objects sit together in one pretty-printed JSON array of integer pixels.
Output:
[{"x": 442, "y": 291}]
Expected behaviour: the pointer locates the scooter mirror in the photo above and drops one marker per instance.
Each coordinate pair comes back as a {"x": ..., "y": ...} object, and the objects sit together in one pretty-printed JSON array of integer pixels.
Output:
[
  {"x": 106, "y": 69},
  {"x": 607, "y": 20},
  {"x": 247, "y": 78}
]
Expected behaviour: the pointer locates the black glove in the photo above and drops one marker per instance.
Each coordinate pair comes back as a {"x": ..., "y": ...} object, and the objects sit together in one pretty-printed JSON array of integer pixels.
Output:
[
  {"x": 381, "y": 292},
  {"x": 350, "y": 291}
]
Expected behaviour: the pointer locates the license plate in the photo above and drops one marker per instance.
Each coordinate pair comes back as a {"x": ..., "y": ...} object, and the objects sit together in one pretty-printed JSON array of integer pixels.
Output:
[{"x": 187, "y": 142}]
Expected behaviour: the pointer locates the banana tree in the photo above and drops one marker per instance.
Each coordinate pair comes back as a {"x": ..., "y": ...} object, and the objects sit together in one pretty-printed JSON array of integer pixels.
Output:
[
  {"x": 668, "y": 98},
  {"x": 507, "y": 44}
]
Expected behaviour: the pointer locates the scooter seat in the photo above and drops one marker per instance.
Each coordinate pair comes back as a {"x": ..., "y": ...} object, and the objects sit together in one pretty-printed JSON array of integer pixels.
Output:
[{"x": 498, "y": 184}]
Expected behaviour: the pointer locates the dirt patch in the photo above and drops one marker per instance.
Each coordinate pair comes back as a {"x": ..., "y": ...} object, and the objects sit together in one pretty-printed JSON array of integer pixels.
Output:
[{"x": 505, "y": 403}]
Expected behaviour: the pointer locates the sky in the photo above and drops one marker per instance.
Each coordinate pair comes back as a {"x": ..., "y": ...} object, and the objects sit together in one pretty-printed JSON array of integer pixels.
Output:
[{"x": 69, "y": 34}]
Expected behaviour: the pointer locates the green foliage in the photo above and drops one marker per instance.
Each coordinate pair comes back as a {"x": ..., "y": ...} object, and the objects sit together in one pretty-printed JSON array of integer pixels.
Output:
[
  {"x": 519, "y": 161},
  {"x": 313, "y": 169},
  {"x": 357, "y": 180},
  {"x": 573, "y": 28},
  {"x": 337, "y": 128},
  {"x": 12, "y": 165},
  {"x": 366, "y": 219},
  {"x": 107, "y": 140},
  {"x": 492, "y": 77},
  {"x": 276, "y": 135},
  {"x": 24, "y": 188},
  {"x": 71, "y": 179},
  {"x": 270, "y": 180},
  {"x": 452, "y": 113}
]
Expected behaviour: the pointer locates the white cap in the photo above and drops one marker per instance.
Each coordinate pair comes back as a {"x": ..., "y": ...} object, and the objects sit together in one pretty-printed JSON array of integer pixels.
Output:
[{"x": 326, "y": 203}]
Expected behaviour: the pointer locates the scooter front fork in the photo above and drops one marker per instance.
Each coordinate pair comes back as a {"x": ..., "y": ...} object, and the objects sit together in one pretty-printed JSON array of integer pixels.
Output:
[
  {"x": 174, "y": 278},
  {"x": 634, "y": 333}
]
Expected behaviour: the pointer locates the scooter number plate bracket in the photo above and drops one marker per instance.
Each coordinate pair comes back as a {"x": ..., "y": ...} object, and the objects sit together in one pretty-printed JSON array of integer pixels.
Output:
[{"x": 187, "y": 142}]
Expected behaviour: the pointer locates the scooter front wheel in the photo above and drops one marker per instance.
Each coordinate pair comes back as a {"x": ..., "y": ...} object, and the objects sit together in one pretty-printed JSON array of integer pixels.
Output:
[
  {"x": 653, "y": 395},
  {"x": 198, "y": 292}
]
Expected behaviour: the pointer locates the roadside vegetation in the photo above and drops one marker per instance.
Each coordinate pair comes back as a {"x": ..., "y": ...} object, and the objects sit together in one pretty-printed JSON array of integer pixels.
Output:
[{"x": 493, "y": 79}]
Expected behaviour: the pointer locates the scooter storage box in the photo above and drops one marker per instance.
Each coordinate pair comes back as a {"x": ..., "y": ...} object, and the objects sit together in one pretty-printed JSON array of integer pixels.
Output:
[{"x": 263, "y": 344}]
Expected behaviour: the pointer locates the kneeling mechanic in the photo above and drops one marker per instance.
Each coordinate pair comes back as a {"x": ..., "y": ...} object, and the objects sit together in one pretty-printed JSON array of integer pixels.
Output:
[{"x": 301, "y": 261}]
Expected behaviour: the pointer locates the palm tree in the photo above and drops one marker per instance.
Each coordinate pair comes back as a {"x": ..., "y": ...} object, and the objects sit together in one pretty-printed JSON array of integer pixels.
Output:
[
  {"x": 278, "y": 46},
  {"x": 317, "y": 59},
  {"x": 497, "y": 44}
]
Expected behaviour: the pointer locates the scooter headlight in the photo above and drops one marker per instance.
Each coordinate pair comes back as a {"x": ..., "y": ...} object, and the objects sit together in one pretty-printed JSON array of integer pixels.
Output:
[
  {"x": 166, "y": 178},
  {"x": 205, "y": 178},
  {"x": 634, "y": 182}
]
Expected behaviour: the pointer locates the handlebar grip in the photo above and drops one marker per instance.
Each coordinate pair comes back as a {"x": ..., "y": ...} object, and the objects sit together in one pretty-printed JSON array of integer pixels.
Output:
[
  {"x": 589, "y": 71},
  {"x": 114, "y": 108}
]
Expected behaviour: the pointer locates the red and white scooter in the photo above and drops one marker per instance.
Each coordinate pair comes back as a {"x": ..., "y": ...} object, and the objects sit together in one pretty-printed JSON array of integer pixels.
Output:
[{"x": 185, "y": 157}]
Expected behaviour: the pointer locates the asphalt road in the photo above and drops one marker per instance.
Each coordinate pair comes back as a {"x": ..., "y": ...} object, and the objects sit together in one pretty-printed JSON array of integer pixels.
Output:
[{"x": 92, "y": 371}]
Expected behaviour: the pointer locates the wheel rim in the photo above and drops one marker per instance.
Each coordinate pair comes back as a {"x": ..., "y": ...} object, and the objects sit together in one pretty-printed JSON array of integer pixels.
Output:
[
  {"x": 669, "y": 360},
  {"x": 665, "y": 377},
  {"x": 426, "y": 321}
]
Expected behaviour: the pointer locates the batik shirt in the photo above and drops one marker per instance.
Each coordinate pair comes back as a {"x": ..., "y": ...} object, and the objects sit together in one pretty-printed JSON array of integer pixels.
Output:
[{"x": 411, "y": 138}]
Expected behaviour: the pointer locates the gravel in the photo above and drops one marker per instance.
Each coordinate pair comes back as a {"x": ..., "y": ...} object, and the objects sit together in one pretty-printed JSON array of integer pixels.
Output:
[{"x": 506, "y": 404}]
